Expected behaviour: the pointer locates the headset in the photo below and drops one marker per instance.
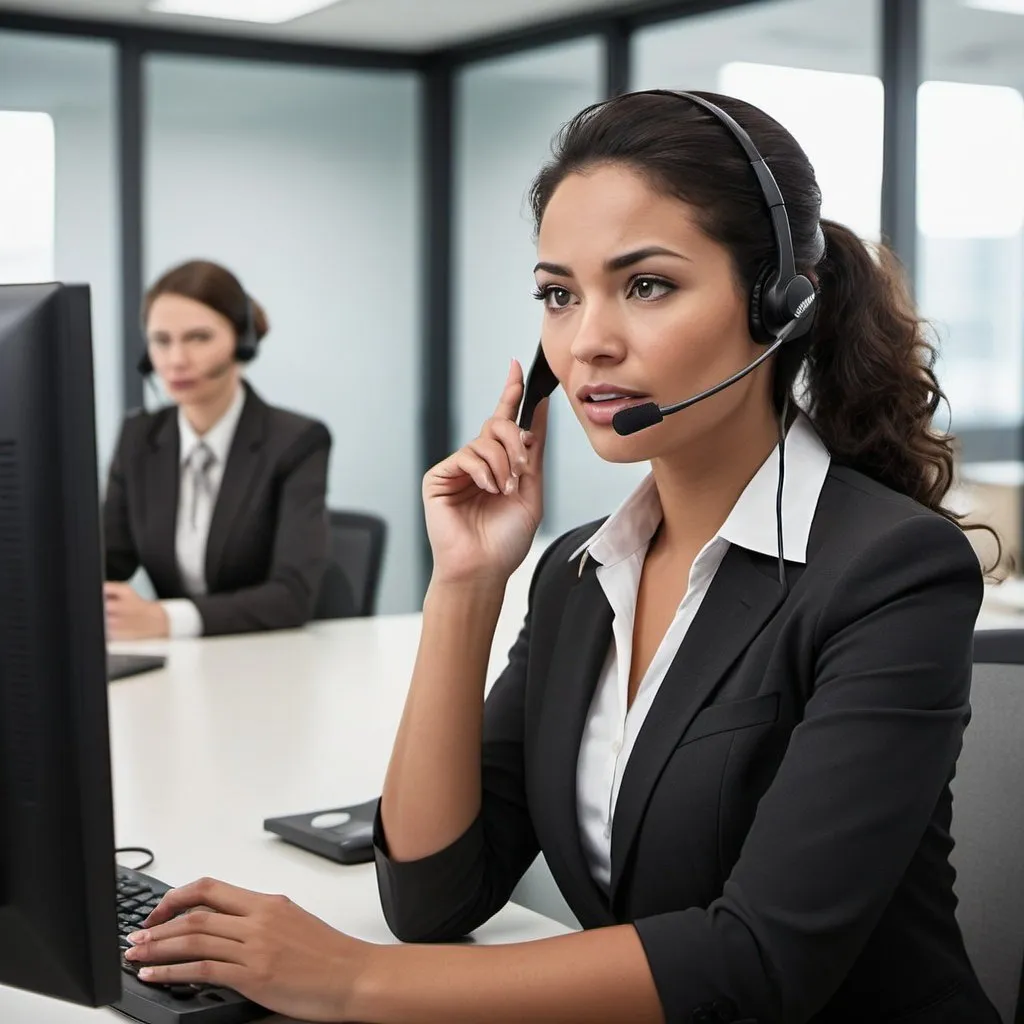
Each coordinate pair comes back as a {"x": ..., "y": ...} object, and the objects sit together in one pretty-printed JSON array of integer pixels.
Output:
[
  {"x": 246, "y": 346},
  {"x": 781, "y": 301}
]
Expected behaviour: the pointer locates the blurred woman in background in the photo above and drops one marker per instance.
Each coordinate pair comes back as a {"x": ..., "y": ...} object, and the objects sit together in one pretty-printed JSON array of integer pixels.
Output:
[{"x": 220, "y": 497}]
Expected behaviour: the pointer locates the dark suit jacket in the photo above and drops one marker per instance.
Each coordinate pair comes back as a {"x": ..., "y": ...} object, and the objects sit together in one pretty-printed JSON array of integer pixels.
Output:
[
  {"x": 782, "y": 832},
  {"x": 268, "y": 542}
]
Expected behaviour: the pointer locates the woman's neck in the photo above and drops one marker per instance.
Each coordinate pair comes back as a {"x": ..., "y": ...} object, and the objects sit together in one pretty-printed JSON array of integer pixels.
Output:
[
  {"x": 204, "y": 416},
  {"x": 698, "y": 489}
]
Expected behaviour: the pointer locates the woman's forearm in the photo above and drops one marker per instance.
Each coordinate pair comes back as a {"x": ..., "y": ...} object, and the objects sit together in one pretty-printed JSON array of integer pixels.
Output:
[
  {"x": 597, "y": 977},
  {"x": 432, "y": 789}
]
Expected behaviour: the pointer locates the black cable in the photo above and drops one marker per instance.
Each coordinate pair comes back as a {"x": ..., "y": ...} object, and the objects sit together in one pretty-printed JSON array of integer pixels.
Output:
[
  {"x": 144, "y": 850},
  {"x": 778, "y": 495}
]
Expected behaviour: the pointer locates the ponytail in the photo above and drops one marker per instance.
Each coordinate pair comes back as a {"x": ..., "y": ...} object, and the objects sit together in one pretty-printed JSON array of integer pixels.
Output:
[
  {"x": 871, "y": 390},
  {"x": 260, "y": 321}
]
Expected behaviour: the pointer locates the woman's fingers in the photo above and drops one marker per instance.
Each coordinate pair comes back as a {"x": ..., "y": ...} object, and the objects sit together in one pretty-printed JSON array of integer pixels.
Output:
[
  {"x": 492, "y": 451},
  {"x": 208, "y": 892},
  {"x": 186, "y": 949},
  {"x": 198, "y": 972},
  {"x": 512, "y": 393},
  {"x": 496, "y": 459},
  {"x": 534, "y": 439},
  {"x": 207, "y": 922},
  {"x": 511, "y": 438},
  {"x": 465, "y": 463}
]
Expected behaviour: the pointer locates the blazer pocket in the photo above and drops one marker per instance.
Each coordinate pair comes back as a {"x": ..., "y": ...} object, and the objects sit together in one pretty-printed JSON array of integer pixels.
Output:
[{"x": 736, "y": 714}]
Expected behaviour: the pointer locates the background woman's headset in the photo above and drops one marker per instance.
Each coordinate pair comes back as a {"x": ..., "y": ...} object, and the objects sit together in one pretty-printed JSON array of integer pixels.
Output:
[{"x": 246, "y": 344}]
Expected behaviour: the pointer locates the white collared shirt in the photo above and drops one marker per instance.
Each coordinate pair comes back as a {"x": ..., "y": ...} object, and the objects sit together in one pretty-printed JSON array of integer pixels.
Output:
[
  {"x": 620, "y": 546},
  {"x": 190, "y": 539}
]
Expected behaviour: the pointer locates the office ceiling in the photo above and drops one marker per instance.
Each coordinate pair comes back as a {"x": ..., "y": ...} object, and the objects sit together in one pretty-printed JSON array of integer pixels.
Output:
[
  {"x": 387, "y": 24},
  {"x": 961, "y": 43}
]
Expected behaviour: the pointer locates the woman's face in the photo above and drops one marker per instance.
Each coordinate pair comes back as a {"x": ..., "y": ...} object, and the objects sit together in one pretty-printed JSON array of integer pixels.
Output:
[
  {"x": 192, "y": 348},
  {"x": 640, "y": 302}
]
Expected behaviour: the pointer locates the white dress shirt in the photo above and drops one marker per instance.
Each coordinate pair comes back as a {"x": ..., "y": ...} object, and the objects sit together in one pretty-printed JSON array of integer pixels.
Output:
[
  {"x": 195, "y": 510},
  {"x": 620, "y": 546}
]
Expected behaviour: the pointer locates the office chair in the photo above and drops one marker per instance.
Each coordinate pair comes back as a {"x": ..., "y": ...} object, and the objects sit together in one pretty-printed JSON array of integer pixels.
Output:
[
  {"x": 988, "y": 821},
  {"x": 349, "y": 587}
]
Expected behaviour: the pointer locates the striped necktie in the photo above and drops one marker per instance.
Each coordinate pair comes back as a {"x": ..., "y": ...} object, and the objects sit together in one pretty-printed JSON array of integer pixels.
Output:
[{"x": 200, "y": 464}]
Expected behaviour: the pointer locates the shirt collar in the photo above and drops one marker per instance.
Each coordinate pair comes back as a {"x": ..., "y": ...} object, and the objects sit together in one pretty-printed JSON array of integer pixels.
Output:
[
  {"x": 219, "y": 437},
  {"x": 751, "y": 524}
]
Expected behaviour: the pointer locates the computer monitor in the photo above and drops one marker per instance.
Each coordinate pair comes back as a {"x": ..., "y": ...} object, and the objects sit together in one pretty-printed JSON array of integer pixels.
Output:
[{"x": 58, "y": 925}]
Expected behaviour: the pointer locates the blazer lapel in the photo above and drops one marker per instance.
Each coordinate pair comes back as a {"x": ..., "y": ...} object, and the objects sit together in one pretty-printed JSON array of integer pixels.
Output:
[
  {"x": 162, "y": 475},
  {"x": 244, "y": 460},
  {"x": 740, "y": 600},
  {"x": 584, "y": 636}
]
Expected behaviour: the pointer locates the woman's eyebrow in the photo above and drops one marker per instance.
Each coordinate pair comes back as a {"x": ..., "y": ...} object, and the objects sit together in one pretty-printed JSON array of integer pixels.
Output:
[{"x": 615, "y": 263}]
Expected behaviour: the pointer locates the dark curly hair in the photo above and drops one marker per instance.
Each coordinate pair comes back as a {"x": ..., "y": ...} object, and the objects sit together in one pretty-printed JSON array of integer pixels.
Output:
[{"x": 868, "y": 384}]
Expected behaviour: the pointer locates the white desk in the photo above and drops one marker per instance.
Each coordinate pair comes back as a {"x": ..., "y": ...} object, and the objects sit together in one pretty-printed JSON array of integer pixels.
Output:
[{"x": 239, "y": 729}]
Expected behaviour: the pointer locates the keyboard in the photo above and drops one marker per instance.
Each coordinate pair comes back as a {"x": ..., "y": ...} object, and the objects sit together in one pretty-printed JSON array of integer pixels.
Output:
[
  {"x": 120, "y": 666},
  {"x": 137, "y": 895}
]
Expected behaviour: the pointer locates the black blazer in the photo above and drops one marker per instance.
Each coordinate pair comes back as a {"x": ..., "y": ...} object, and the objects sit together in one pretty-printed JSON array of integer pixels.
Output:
[
  {"x": 267, "y": 548},
  {"x": 781, "y": 838}
]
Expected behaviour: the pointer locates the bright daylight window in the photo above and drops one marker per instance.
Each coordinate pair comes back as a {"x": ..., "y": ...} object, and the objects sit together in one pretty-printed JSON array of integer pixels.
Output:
[
  {"x": 27, "y": 191},
  {"x": 974, "y": 185},
  {"x": 837, "y": 118},
  {"x": 970, "y": 214}
]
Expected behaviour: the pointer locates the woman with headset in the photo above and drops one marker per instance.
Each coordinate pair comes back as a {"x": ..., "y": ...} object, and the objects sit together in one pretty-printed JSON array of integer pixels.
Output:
[
  {"x": 218, "y": 496},
  {"x": 731, "y": 716}
]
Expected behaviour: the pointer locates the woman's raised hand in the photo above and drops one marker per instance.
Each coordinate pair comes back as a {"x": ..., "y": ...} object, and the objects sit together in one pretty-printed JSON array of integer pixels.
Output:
[{"x": 483, "y": 503}]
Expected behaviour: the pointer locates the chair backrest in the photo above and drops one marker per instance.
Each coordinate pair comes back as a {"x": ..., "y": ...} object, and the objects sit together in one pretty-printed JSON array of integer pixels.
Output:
[
  {"x": 349, "y": 587},
  {"x": 988, "y": 822}
]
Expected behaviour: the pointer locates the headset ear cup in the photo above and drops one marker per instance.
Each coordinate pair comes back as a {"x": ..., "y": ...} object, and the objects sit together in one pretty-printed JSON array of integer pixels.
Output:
[
  {"x": 758, "y": 328},
  {"x": 246, "y": 350},
  {"x": 248, "y": 344},
  {"x": 144, "y": 365}
]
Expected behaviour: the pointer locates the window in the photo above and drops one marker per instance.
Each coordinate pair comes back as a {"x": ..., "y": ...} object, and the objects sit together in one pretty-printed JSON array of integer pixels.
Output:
[
  {"x": 970, "y": 216},
  {"x": 26, "y": 197},
  {"x": 810, "y": 64},
  {"x": 304, "y": 182},
  {"x": 59, "y": 212},
  {"x": 809, "y": 103}
]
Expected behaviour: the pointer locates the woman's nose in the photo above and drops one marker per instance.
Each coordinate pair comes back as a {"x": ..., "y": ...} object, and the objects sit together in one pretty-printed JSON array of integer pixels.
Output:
[{"x": 598, "y": 337}]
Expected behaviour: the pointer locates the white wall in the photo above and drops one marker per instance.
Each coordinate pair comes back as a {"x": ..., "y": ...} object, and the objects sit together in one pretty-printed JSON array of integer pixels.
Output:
[
  {"x": 508, "y": 111},
  {"x": 305, "y": 183},
  {"x": 73, "y": 81}
]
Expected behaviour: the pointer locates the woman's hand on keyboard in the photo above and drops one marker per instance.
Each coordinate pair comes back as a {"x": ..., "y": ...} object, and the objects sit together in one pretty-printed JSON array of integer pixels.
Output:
[{"x": 265, "y": 947}]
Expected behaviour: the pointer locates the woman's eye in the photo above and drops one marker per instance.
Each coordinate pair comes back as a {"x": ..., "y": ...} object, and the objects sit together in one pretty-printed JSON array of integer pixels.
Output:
[
  {"x": 650, "y": 288},
  {"x": 557, "y": 298}
]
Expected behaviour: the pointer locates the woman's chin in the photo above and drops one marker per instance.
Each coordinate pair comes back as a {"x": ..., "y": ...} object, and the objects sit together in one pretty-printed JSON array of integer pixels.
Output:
[{"x": 612, "y": 447}]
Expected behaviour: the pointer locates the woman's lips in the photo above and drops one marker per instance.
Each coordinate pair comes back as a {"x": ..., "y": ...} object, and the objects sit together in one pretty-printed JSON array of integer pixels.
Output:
[{"x": 602, "y": 412}]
